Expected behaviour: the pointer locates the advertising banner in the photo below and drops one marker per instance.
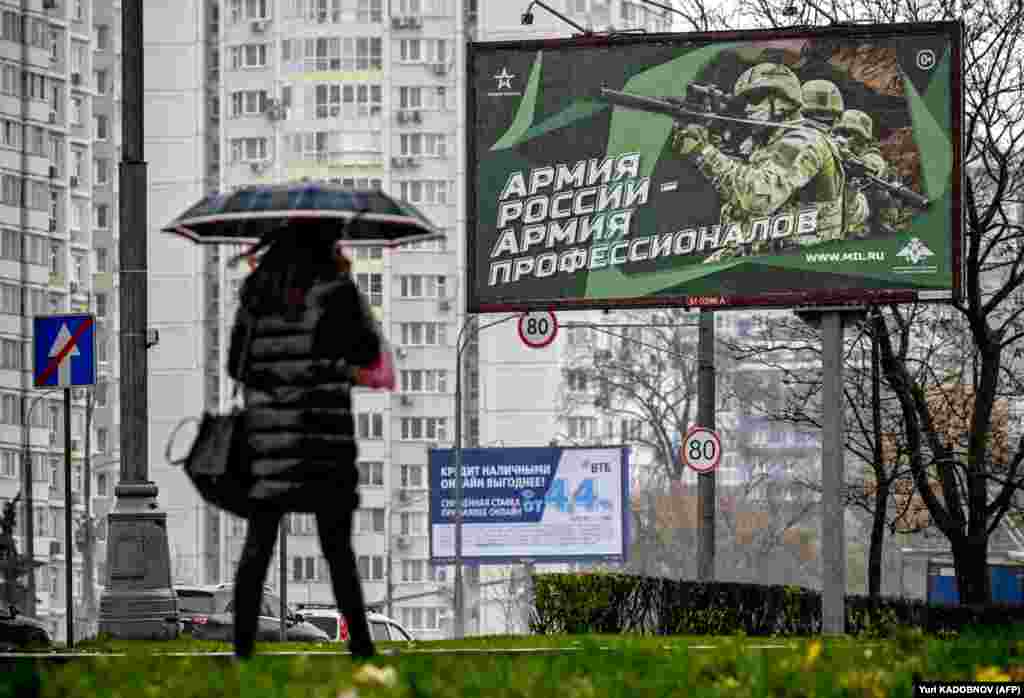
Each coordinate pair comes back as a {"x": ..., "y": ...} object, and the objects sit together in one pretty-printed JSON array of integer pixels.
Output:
[
  {"x": 545, "y": 504},
  {"x": 803, "y": 167}
]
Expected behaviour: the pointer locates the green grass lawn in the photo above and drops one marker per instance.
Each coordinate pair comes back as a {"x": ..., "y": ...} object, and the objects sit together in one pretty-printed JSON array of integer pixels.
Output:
[{"x": 598, "y": 667}]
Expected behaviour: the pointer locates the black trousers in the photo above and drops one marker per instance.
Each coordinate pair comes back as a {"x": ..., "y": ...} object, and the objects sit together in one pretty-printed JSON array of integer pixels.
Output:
[{"x": 334, "y": 526}]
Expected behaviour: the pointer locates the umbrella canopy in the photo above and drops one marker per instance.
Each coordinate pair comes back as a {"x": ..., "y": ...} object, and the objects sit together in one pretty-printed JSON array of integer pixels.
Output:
[{"x": 251, "y": 212}]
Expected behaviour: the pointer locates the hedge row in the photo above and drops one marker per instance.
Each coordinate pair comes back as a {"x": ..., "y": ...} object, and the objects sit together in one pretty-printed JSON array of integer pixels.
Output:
[{"x": 618, "y": 603}]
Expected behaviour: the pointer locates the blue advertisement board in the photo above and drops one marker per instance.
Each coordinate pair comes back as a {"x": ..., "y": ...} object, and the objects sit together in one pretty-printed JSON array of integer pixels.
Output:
[{"x": 532, "y": 503}]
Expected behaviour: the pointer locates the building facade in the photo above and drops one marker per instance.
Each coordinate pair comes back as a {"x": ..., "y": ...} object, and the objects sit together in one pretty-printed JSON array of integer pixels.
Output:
[{"x": 59, "y": 147}]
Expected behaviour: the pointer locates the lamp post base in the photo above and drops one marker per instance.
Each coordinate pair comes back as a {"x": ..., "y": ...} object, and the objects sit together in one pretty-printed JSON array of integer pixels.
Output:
[{"x": 138, "y": 602}]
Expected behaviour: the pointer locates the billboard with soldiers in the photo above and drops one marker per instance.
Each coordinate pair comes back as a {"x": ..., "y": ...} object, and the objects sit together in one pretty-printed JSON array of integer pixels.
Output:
[{"x": 801, "y": 167}]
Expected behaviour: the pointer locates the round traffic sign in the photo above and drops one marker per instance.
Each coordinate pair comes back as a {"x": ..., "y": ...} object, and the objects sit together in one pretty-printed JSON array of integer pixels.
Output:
[
  {"x": 538, "y": 329},
  {"x": 701, "y": 450}
]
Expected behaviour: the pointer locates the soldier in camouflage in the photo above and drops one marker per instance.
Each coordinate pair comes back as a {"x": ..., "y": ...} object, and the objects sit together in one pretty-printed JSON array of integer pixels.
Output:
[
  {"x": 823, "y": 103},
  {"x": 871, "y": 211},
  {"x": 792, "y": 166}
]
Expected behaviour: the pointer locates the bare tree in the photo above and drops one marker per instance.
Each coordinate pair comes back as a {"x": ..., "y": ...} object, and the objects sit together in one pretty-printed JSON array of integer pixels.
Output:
[
  {"x": 877, "y": 483},
  {"x": 967, "y": 490},
  {"x": 639, "y": 387},
  {"x": 640, "y": 381}
]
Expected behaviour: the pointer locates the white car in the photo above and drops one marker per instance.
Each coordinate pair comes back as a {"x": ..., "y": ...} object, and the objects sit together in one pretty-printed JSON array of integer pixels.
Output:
[{"x": 328, "y": 618}]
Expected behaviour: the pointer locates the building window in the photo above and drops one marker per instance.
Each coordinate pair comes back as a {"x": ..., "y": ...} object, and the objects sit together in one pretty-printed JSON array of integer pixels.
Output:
[
  {"x": 302, "y": 524},
  {"x": 423, "y": 50},
  {"x": 102, "y": 37},
  {"x": 304, "y": 569},
  {"x": 257, "y": 9},
  {"x": 371, "y": 474},
  {"x": 369, "y": 11},
  {"x": 412, "y": 523},
  {"x": 582, "y": 427},
  {"x": 100, "y": 78},
  {"x": 102, "y": 440},
  {"x": 79, "y": 10},
  {"x": 576, "y": 379},
  {"x": 430, "y": 191},
  {"x": 101, "y": 170},
  {"x": 412, "y": 476},
  {"x": 100, "y": 393},
  {"x": 102, "y": 126},
  {"x": 423, "y": 145},
  {"x": 424, "y": 429},
  {"x": 424, "y": 381},
  {"x": 248, "y": 56},
  {"x": 370, "y": 425},
  {"x": 100, "y": 300},
  {"x": 372, "y": 286},
  {"x": 341, "y": 53},
  {"x": 11, "y": 189},
  {"x": 347, "y": 101},
  {"x": 248, "y": 149},
  {"x": 423, "y": 286},
  {"x": 423, "y": 334},
  {"x": 248, "y": 103},
  {"x": 370, "y": 520},
  {"x": 9, "y": 464},
  {"x": 371, "y": 567},
  {"x": 421, "y": 618},
  {"x": 102, "y": 216}
]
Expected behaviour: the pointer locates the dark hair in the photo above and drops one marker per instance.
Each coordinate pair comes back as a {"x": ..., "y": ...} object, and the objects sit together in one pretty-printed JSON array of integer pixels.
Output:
[{"x": 292, "y": 263}]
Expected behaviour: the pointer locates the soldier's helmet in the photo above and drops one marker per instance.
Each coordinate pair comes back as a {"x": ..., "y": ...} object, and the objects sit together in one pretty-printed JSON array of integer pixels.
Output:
[
  {"x": 854, "y": 121},
  {"x": 766, "y": 78},
  {"x": 822, "y": 97}
]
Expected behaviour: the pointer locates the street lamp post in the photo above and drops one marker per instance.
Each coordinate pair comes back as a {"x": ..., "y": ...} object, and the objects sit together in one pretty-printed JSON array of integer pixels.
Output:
[
  {"x": 29, "y": 526},
  {"x": 138, "y": 601},
  {"x": 460, "y": 619}
]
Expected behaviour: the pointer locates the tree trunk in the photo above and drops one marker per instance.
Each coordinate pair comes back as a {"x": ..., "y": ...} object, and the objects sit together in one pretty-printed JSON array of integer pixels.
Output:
[
  {"x": 970, "y": 559},
  {"x": 877, "y": 545}
]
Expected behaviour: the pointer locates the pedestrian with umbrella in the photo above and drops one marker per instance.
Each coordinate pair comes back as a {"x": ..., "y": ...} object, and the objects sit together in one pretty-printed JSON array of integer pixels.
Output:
[{"x": 303, "y": 335}]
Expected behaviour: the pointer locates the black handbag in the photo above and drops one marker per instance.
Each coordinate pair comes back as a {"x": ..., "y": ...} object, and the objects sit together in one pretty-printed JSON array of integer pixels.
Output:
[{"x": 218, "y": 463}]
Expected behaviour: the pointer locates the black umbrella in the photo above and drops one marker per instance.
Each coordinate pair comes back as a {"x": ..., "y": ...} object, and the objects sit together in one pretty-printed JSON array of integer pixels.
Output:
[{"x": 250, "y": 213}]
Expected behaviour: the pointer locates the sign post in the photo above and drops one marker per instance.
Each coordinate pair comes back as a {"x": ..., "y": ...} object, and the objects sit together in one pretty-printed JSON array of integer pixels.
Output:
[
  {"x": 64, "y": 356},
  {"x": 538, "y": 329}
]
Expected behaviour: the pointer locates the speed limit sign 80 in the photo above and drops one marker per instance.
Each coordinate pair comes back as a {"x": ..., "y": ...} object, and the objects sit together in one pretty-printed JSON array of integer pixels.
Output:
[
  {"x": 701, "y": 450},
  {"x": 538, "y": 329}
]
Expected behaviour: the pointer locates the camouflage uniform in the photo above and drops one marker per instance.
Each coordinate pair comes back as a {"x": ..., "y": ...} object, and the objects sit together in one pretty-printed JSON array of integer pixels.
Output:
[
  {"x": 823, "y": 102},
  {"x": 870, "y": 211},
  {"x": 794, "y": 168}
]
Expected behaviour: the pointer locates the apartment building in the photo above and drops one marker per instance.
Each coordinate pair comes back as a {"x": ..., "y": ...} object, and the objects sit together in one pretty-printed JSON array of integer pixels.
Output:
[{"x": 59, "y": 146}]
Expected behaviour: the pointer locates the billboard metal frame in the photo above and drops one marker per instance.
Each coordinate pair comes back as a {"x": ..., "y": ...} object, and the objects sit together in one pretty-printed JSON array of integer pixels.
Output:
[
  {"x": 624, "y": 449},
  {"x": 766, "y": 300}
]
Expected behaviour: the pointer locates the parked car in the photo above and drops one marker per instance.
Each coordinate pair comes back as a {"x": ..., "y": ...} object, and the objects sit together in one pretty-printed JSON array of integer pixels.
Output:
[
  {"x": 20, "y": 631},
  {"x": 328, "y": 618},
  {"x": 207, "y": 612}
]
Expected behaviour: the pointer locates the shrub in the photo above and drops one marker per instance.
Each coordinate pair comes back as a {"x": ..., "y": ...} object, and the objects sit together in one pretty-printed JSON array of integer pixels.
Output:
[{"x": 618, "y": 603}]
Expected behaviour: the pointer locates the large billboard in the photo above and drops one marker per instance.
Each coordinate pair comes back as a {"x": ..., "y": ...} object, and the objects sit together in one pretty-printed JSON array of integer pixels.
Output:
[
  {"x": 787, "y": 168},
  {"x": 544, "y": 504}
]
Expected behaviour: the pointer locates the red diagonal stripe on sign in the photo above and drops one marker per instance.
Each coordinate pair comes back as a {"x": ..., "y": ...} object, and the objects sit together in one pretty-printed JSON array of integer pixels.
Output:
[{"x": 55, "y": 361}]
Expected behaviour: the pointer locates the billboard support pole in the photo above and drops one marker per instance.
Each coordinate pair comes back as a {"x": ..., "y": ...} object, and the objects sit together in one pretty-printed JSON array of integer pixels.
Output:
[
  {"x": 833, "y": 535},
  {"x": 706, "y": 418}
]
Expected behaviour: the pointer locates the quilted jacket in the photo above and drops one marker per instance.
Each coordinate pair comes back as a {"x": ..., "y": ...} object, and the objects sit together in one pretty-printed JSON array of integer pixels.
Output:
[{"x": 296, "y": 388}]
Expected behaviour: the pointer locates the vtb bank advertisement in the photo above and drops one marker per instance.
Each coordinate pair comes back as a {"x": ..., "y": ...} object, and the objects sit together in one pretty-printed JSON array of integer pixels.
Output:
[{"x": 551, "y": 503}]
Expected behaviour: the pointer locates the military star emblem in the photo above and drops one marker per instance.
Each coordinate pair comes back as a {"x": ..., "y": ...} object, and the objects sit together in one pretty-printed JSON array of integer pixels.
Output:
[{"x": 504, "y": 79}]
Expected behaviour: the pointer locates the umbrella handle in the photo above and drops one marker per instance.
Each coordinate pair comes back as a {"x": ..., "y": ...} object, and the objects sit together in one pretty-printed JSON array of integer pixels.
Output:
[{"x": 171, "y": 438}]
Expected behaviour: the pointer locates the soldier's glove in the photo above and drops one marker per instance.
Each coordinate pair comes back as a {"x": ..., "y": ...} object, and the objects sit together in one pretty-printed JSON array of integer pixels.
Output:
[{"x": 689, "y": 139}]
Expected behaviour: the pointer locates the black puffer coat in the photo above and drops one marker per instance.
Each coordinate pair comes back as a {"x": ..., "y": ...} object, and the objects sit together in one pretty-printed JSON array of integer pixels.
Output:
[{"x": 299, "y": 422}]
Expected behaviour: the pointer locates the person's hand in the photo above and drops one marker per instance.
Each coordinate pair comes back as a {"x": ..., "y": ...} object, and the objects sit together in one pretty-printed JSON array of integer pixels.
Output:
[
  {"x": 343, "y": 263},
  {"x": 689, "y": 139}
]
